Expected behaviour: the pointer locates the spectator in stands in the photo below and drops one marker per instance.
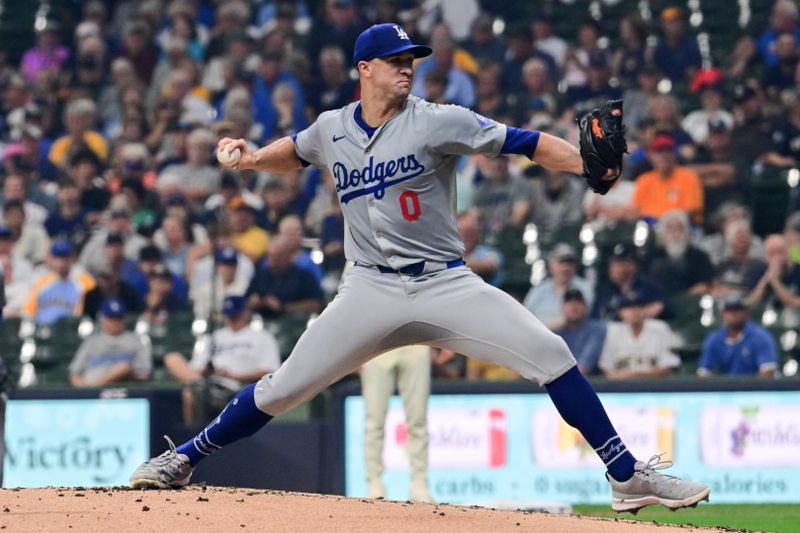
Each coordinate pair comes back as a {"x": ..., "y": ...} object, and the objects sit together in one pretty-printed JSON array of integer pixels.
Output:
[
  {"x": 139, "y": 49},
  {"x": 663, "y": 116},
  {"x": 734, "y": 273},
  {"x": 520, "y": 49},
  {"x": 753, "y": 128},
  {"x": 584, "y": 336},
  {"x": 624, "y": 277},
  {"x": 177, "y": 244},
  {"x": 61, "y": 291},
  {"x": 48, "y": 54},
  {"x": 162, "y": 298},
  {"x": 283, "y": 287},
  {"x": 709, "y": 84},
  {"x": 85, "y": 169},
  {"x": 334, "y": 89},
  {"x": 332, "y": 237},
  {"x": 740, "y": 347},
  {"x": 276, "y": 205},
  {"x": 545, "y": 40},
  {"x": 676, "y": 265},
  {"x": 638, "y": 98},
  {"x": 483, "y": 260},
  {"x": 778, "y": 282},
  {"x": 578, "y": 59},
  {"x": 638, "y": 346},
  {"x": 597, "y": 89},
  {"x": 783, "y": 19},
  {"x": 17, "y": 276},
  {"x": 95, "y": 252},
  {"x": 113, "y": 354},
  {"x": 270, "y": 74},
  {"x": 501, "y": 199},
  {"x": 236, "y": 352},
  {"x": 30, "y": 239},
  {"x": 630, "y": 58},
  {"x": 669, "y": 185},
  {"x": 291, "y": 227},
  {"x": 785, "y": 151},
  {"x": 340, "y": 27},
  {"x": 482, "y": 43},
  {"x": 780, "y": 76},
  {"x": 197, "y": 179},
  {"x": 460, "y": 88},
  {"x": 614, "y": 207},
  {"x": 69, "y": 220},
  {"x": 447, "y": 364},
  {"x": 246, "y": 237},
  {"x": 538, "y": 93},
  {"x": 546, "y": 299},
  {"x": 491, "y": 100},
  {"x": 435, "y": 86},
  {"x": 556, "y": 200},
  {"x": 722, "y": 171},
  {"x": 478, "y": 370},
  {"x": 109, "y": 285},
  {"x": 15, "y": 188},
  {"x": 677, "y": 52},
  {"x": 717, "y": 245},
  {"x": 208, "y": 295},
  {"x": 79, "y": 118}
]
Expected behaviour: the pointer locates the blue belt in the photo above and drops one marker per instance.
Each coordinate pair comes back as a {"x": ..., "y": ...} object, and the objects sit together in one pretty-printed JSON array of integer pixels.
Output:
[{"x": 417, "y": 268}]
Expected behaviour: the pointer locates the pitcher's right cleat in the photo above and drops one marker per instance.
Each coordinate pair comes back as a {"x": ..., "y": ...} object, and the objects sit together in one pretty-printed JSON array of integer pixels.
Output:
[
  {"x": 170, "y": 470},
  {"x": 649, "y": 487}
]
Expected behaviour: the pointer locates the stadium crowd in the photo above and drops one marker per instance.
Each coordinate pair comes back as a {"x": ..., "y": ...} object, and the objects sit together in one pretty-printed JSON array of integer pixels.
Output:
[{"x": 113, "y": 204}]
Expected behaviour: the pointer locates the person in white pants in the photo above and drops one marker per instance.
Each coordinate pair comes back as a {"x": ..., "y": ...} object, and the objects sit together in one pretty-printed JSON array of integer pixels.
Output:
[{"x": 409, "y": 368}]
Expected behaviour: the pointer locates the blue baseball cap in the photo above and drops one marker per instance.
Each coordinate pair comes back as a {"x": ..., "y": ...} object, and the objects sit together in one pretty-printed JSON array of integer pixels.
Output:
[
  {"x": 113, "y": 308},
  {"x": 233, "y": 305},
  {"x": 62, "y": 248},
  {"x": 5, "y": 233},
  {"x": 383, "y": 40},
  {"x": 228, "y": 255}
]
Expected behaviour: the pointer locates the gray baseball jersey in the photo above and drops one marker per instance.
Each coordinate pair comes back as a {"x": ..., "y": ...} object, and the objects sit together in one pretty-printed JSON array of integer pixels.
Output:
[
  {"x": 397, "y": 191},
  {"x": 397, "y": 188}
]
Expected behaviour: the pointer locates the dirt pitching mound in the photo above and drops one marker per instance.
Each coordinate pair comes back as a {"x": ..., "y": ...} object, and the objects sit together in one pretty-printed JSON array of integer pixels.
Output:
[{"x": 220, "y": 509}]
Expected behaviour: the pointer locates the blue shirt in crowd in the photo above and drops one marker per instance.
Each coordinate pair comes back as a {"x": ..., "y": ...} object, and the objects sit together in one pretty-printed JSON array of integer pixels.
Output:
[
  {"x": 585, "y": 342},
  {"x": 752, "y": 351}
]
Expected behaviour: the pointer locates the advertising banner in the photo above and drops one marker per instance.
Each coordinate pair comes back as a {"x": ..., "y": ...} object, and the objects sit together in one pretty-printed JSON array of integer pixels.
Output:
[
  {"x": 75, "y": 442},
  {"x": 486, "y": 447}
]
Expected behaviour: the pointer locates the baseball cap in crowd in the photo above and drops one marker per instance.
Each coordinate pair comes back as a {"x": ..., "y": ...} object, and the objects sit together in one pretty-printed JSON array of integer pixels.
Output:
[
  {"x": 62, "y": 248},
  {"x": 717, "y": 125},
  {"x": 742, "y": 93},
  {"x": 383, "y": 40},
  {"x": 624, "y": 251},
  {"x": 562, "y": 252},
  {"x": 5, "y": 233},
  {"x": 233, "y": 305},
  {"x": 732, "y": 302},
  {"x": 113, "y": 308},
  {"x": 237, "y": 202},
  {"x": 632, "y": 299},
  {"x": 150, "y": 253},
  {"x": 160, "y": 271},
  {"x": 671, "y": 14},
  {"x": 573, "y": 294},
  {"x": 115, "y": 238},
  {"x": 662, "y": 143},
  {"x": 228, "y": 255}
]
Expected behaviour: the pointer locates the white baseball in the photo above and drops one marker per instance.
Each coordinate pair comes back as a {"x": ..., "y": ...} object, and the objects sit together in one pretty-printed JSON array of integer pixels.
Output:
[{"x": 229, "y": 158}]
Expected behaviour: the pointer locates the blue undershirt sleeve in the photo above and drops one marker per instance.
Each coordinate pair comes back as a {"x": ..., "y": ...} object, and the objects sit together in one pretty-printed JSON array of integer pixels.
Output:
[
  {"x": 302, "y": 161},
  {"x": 521, "y": 142}
]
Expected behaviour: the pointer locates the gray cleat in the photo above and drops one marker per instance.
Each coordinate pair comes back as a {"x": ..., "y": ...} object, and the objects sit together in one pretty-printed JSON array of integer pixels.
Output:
[
  {"x": 649, "y": 487},
  {"x": 170, "y": 470}
]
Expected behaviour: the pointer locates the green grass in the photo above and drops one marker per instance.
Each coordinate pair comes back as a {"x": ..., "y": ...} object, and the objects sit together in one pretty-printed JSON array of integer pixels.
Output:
[{"x": 779, "y": 518}]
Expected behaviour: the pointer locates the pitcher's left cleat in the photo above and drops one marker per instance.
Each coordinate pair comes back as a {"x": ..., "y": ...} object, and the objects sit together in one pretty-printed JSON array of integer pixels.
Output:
[
  {"x": 647, "y": 486},
  {"x": 170, "y": 470}
]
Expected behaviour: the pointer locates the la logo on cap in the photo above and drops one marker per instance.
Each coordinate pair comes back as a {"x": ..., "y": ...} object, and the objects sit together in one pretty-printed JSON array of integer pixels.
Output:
[{"x": 401, "y": 33}]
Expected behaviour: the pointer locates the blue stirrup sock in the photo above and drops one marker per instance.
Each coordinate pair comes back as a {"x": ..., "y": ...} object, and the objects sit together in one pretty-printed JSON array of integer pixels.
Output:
[
  {"x": 240, "y": 418},
  {"x": 579, "y": 406}
]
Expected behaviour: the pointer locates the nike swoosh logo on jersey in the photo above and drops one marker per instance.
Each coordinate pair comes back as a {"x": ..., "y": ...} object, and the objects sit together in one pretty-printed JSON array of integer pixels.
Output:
[
  {"x": 375, "y": 172},
  {"x": 335, "y": 138}
]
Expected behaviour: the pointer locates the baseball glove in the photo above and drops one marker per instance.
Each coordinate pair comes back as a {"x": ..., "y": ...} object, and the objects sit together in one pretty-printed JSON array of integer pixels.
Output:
[{"x": 602, "y": 139}]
